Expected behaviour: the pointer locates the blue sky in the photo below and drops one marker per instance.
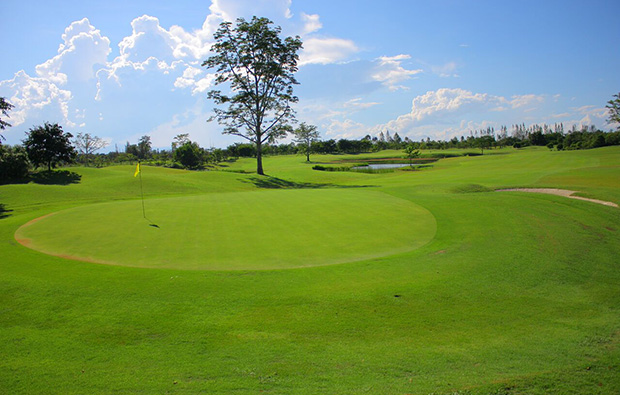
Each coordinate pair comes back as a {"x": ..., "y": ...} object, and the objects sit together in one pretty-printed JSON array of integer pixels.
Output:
[{"x": 438, "y": 69}]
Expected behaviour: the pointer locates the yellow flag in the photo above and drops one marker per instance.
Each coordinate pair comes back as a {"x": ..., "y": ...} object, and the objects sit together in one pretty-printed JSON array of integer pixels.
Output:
[{"x": 137, "y": 170}]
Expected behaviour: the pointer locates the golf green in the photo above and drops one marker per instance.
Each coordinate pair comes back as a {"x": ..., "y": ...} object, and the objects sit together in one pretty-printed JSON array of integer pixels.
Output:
[{"x": 236, "y": 231}]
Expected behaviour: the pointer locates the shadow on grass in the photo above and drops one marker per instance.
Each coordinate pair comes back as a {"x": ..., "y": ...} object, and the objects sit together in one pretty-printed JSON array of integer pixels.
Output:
[
  {"x": 55, "y": 177},
  {"x": 46, "y": 177},
  {"x": 4, "y": 211},
  {"x": 268, "y": 182}
]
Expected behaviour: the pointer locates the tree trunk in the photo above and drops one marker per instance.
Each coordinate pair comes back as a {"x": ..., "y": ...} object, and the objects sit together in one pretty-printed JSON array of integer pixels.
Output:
[
  {"x": 259, "y": 158},
  {"x": 308, "y": 156}
]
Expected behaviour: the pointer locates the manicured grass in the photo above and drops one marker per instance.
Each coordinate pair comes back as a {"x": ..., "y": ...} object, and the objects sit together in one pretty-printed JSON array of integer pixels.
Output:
[
  {"x": 515, "y": 294},
  {"x": 236, "y": 231}
]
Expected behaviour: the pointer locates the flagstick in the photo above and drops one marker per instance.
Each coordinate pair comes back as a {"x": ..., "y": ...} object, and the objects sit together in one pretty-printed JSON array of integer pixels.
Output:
[{"x": 141, "y": 191}]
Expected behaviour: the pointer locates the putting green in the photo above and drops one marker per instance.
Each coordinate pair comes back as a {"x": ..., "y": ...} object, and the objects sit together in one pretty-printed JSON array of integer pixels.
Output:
[{"x": 236, "y": 231}]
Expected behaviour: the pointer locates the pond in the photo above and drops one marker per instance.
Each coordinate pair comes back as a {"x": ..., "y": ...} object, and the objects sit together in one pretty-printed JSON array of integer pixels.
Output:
[{"x": 382, "y": 166}]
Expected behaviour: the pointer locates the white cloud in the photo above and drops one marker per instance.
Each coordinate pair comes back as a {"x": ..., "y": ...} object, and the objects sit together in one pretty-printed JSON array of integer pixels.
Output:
[
  {"x": 448, "y": 112},
  {"x": 37, "y": 99},
  {"x": 347, "y": 128},
  {"x": 190, "y": 79},
  {"x": 442, "y": 101},
  {"x": 148, "y": 39},
  {"x": 83, "y": 48},
  {"x": 446, "y": 70},
  {"x": 81, "y": 87},
  {"x": 326, "y": 50},
  {"x": 357, "y": 104},
  {"x": 231, "y": 10},
  {"x": 390, "y": 72},
  {"x": 311, "y": 23},
  {"x": 526, "y": 100}
]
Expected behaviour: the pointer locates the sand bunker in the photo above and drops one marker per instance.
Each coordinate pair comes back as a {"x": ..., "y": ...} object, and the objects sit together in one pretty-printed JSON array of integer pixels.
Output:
[{"x": 559, "y": 192}]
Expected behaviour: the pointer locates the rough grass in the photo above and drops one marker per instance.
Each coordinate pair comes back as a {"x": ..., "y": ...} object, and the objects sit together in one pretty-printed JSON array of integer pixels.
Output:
[{"x": 516, "y": 293}]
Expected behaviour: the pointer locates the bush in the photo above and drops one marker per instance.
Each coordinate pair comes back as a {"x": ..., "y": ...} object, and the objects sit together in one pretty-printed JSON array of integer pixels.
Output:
[
  {"x": 14, "y": 164},
  {"x": 189, "y": 155},
  {"x": 330, "y": 168}
]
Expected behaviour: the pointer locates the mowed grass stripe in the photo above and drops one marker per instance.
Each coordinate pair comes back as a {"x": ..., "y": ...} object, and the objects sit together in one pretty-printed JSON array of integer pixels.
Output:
[{"x": 236, "y": 231}]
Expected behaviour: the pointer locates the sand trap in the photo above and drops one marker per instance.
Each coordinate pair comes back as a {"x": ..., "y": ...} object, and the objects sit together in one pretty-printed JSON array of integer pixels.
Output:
[{"x": 559, "y": 192}]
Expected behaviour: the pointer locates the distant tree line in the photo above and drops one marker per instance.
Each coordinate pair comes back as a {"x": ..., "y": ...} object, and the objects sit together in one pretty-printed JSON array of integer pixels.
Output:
[
  {"x": 49, "y": 146},
  {"x": 553, "y": 137}
]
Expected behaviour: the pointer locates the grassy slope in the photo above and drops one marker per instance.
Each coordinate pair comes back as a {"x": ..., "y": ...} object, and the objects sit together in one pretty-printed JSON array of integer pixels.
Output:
[{"x": 517, "y": 293}]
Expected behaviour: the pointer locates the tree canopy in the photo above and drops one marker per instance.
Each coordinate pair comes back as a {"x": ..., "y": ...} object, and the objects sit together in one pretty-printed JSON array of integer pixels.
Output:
[
  {"x": 259, "y": 67},
  {"x": 5, "y": 107},
  {"x": 49, "y": 145},
  {"x": 614, "y": 110}
]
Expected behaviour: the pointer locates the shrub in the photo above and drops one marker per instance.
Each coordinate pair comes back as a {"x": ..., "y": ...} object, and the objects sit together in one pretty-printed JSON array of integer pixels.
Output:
[
  {"x": 189, "y": 155},
  {"x": 330, "y": 168},
  {"x": 14, "y": 164}
]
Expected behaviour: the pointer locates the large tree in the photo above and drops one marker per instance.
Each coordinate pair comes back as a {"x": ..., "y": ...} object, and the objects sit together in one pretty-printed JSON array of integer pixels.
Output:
[
  {"x": 305, "y": 135},
  {"x": 259, "y": 66},
  {"x": 49, "y": 145},
  {"x": 5, "y": 107},
  {"x": 614, "y": 110}
]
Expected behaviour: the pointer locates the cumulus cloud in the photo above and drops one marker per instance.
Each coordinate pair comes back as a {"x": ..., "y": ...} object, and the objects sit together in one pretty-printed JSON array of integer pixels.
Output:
[
  {"x": 34, "y": 98},
  {"x": 81, "y": 87},
  {"x": 346, "y": 128},
  {"x": 82, "y": 49},
  {"x": 443, "y": 101},
  {"x": 390, "y": 72},
  {"x": 441, "y": 114},
  {"x": 191, "y": 78},
  {"x": 148, "y": 39}
]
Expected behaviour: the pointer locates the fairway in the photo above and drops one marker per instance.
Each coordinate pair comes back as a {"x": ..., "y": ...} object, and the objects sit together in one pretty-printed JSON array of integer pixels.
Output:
[
  {"x": 236, "y": 231},
  {"x": 314, "y": 282}
]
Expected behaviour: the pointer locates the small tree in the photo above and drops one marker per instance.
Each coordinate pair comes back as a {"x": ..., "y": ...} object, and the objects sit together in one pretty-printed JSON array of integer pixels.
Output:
[
  {"x": 87, "y": 145},
  {"x": 189, "y": 155},
  {"x": 306, "y": 135},
  {"x": 5, "y": 107},
  {"x": 412, "y": 152},
  {"x": 49, "y": 145},
  {"x": 614, "y": 110},
  {"x": 179, "y": 140},
  {"x": 484, "y": 142},
  {"x": 259, "y": 66},
  {"x": 144, "y": 147}
]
